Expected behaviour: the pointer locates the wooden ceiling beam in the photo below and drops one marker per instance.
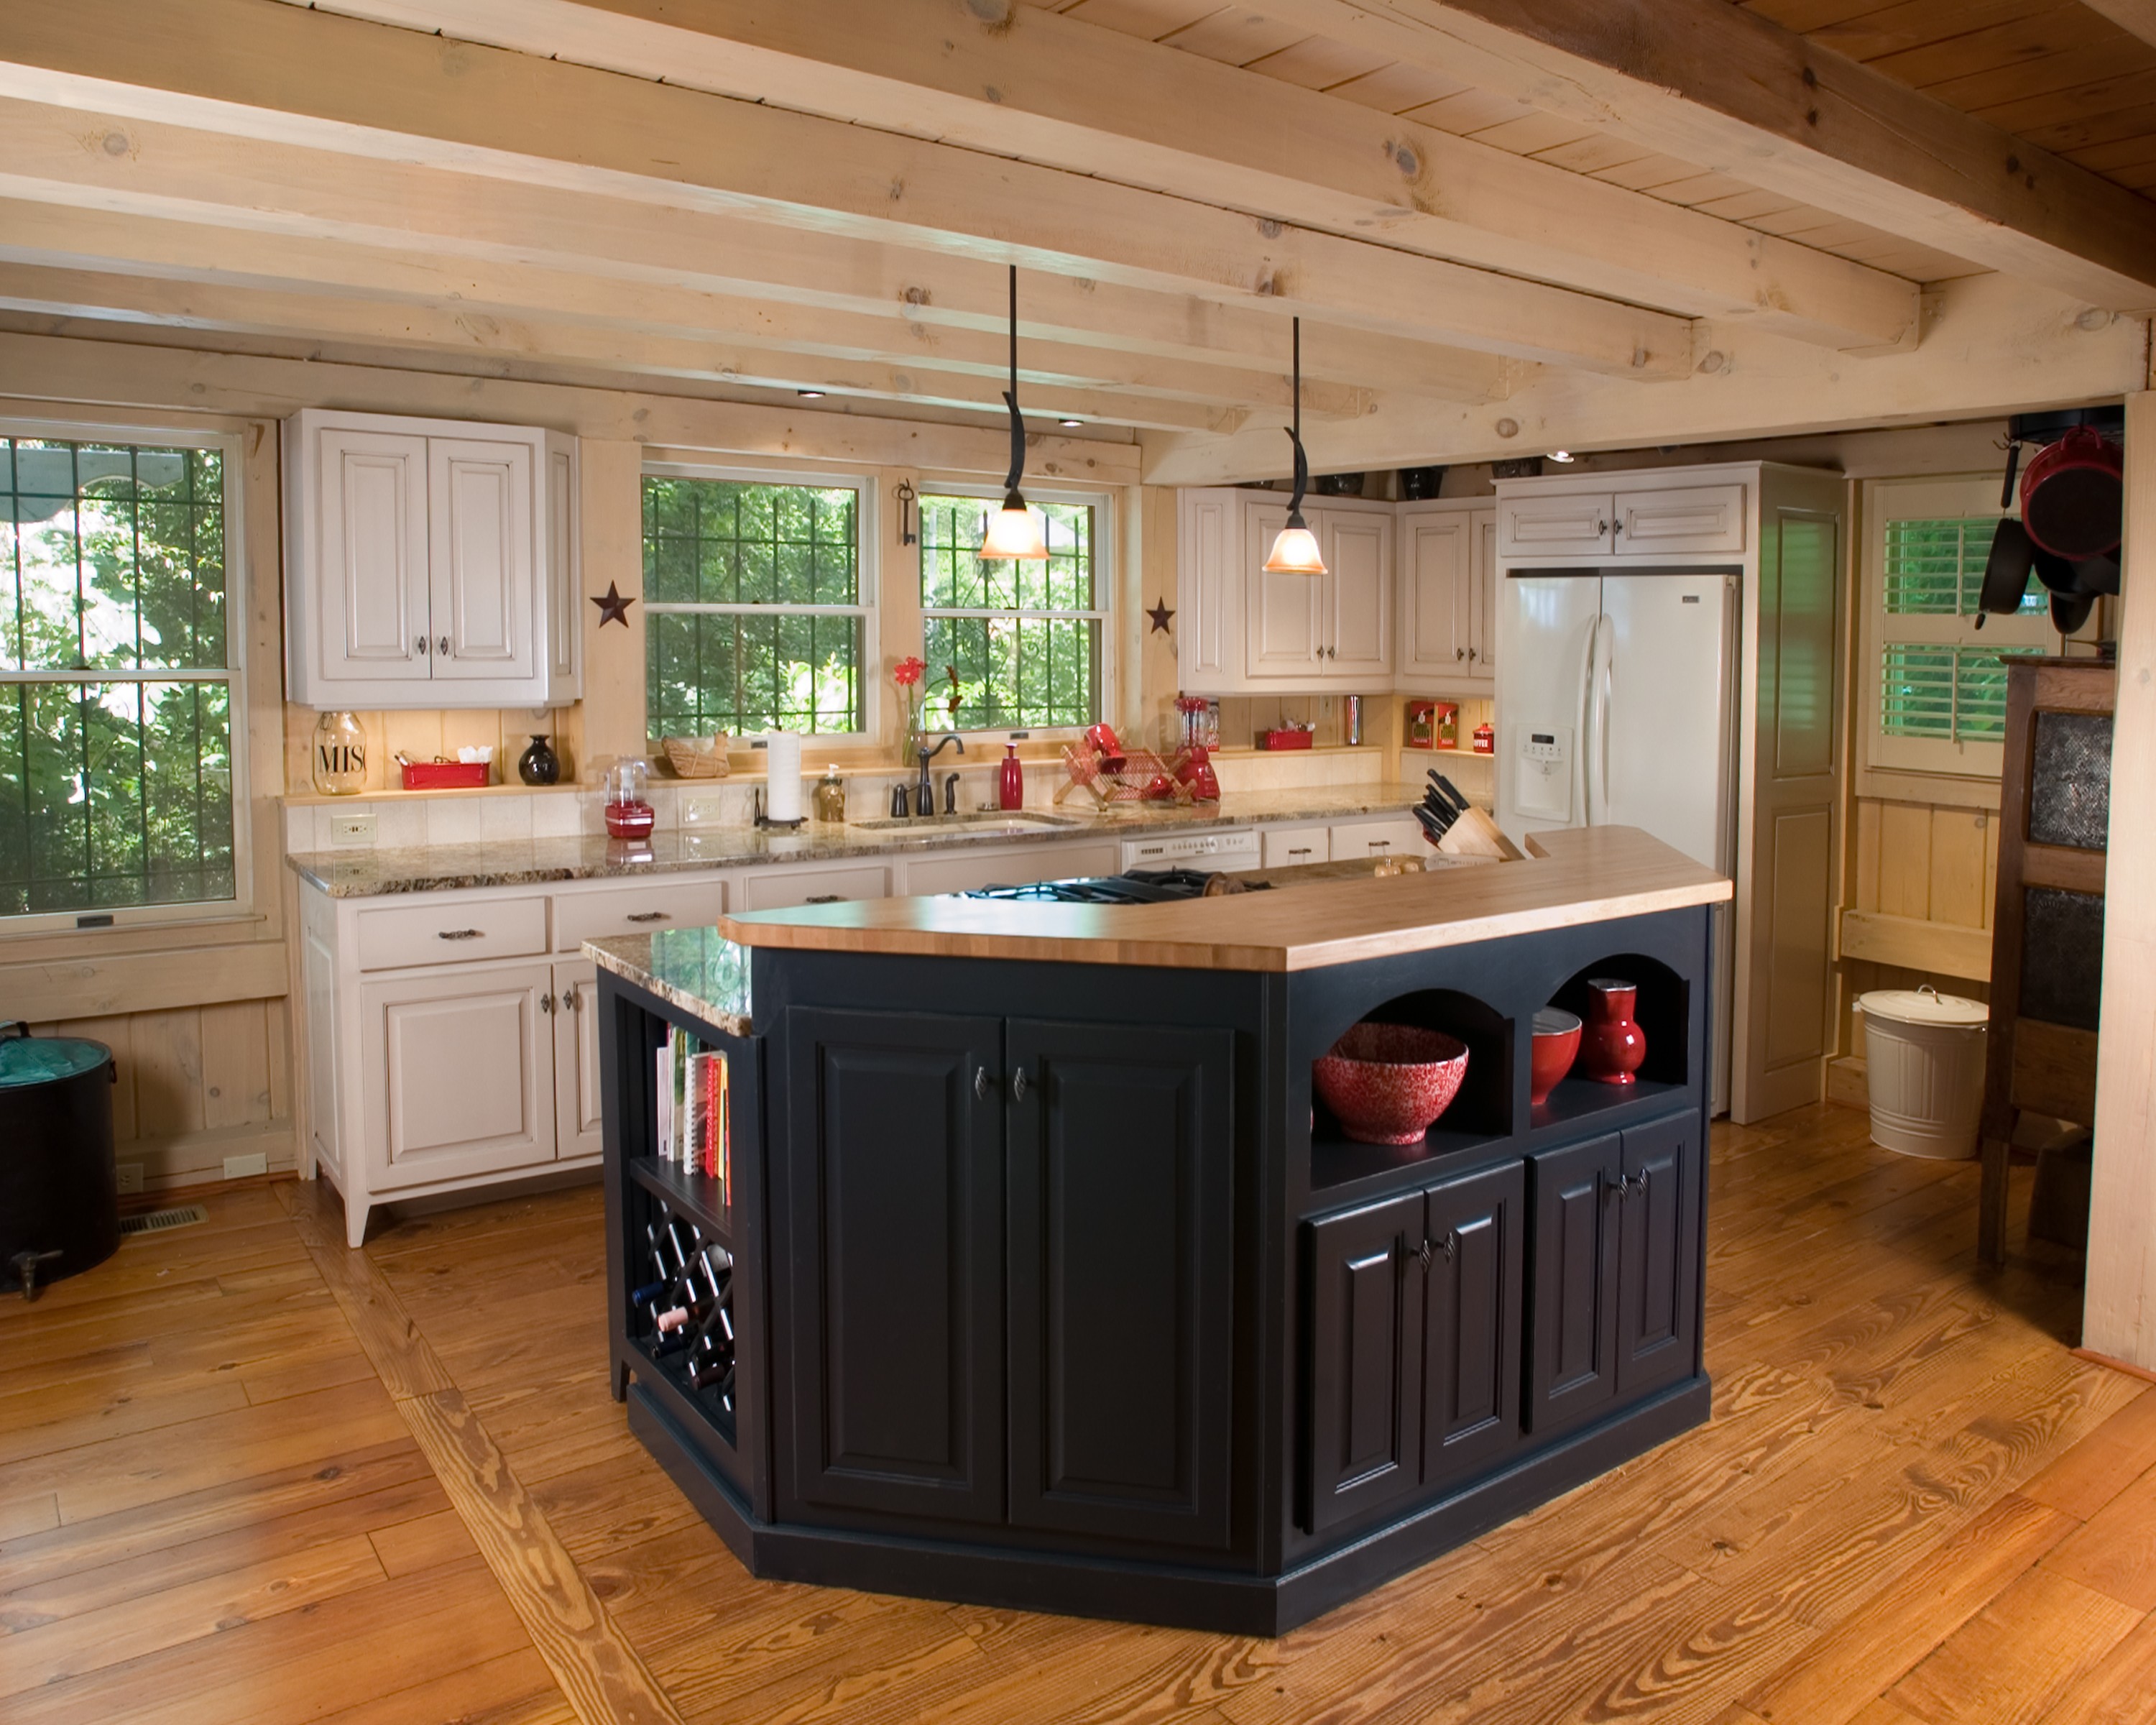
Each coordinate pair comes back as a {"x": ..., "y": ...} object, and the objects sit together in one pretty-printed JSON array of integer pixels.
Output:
[
  {"x": 258, "y": 69},
  {"x": 389, "y": 325},
  {"x": 141, "y": 168},
  {"x": 1019, "y": 81},
  {"x": 1724, "y": 88},
  {"x": 2137, "y": 18},
  {"x": 64, "y": 237},
  {"x": 1992, "y": 346}
]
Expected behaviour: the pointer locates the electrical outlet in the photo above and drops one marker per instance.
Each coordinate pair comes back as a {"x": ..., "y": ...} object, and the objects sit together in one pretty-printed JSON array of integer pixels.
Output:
[
  {"x": 702, "y": 811},
  {"x": 131, "y": 1176},
  {"x": 352, "y": 829},
  {"x": 238, "y": 1168}
]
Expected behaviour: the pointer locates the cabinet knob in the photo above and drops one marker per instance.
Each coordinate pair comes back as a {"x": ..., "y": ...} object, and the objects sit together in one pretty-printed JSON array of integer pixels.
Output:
[
  {"x": 419, "y": 646},
  {"x": 442, "y": 645},
  {"x": 982, "y": 1084},
  {"x": 571, "y": 999},
  {"x": 547, "y": 1004},
  {"x": 1601, "y": 527},
  {"x": 1460, "y": 653},
  {"x": 1470, "y": 653},
  {"x": 1018, "y": 1085}
]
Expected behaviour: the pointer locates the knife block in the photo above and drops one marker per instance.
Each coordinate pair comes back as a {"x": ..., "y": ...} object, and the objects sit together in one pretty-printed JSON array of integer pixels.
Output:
[{"x": 1474, "y": 833}]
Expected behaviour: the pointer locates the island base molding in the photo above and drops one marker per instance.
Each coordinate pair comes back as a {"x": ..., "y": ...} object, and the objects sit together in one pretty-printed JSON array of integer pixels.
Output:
[{"x": 1171, "y": 1595}]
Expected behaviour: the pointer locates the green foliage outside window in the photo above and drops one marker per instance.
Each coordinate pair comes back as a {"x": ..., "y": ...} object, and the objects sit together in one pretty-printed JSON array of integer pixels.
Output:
[
  {"x": 731, "y": 571},
  {"x": 1951, "y": 692},
  {"x": 1024, "y": 636},
  {"x": 1935, "y": 568},
  {"x": 116, "y": 786}
]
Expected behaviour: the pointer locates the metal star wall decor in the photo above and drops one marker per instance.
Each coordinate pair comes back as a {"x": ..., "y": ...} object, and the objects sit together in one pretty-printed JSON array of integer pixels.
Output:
[
  {"x": 1161, "y": 615},
  {"x": 613, "y": 607}
]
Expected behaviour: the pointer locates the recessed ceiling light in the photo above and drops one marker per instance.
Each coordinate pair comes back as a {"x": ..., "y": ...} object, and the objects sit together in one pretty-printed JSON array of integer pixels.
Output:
[
  {"x": 1070, "y": 422},
  {"x": 818, "y": 395},
  {"x": 1561, "y": 455}
]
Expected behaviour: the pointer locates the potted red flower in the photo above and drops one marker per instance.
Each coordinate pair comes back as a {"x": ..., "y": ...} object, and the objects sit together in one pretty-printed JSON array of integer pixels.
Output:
[{"x": 907, "y": 674}]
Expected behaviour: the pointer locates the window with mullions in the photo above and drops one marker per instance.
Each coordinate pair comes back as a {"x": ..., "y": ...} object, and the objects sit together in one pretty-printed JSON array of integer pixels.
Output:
[
  {"x": 116, "y": 678},
  {"x": 1939, "y": 683},
  {"x": 1025, "y": 637},
  {"x": 754, "y": 618}
]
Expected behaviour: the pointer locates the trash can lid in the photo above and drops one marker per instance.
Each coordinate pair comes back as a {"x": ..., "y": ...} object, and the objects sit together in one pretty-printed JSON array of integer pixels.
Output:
[
  {"x": 26, "y": 1059},
  {"x": 1922, "y": 1006}
]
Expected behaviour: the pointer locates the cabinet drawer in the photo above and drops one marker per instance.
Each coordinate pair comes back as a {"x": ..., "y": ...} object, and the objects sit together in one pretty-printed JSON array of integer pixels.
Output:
[
  {"x": 968, "y": 870},
  {"x": 643, "y": 909},
  {"x": 449, "y": 933},
  {"x": 1377, "y": 838},
  {"x": 1693, "y": 518},
  {"x": 782, "y": 891},
  {"x": 1289, "y": 847}
]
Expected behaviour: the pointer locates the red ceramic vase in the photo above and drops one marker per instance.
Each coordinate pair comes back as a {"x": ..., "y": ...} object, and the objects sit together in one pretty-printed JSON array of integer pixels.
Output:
[{"x": 1612, "y": 1046}]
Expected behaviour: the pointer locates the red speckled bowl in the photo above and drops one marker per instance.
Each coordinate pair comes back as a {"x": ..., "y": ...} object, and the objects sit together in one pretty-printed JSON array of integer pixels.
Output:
[{"x": 1387, "y": 1084}]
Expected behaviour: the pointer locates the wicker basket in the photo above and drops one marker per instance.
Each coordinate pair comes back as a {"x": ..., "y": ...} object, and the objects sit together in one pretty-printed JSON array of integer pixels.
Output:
[{"x": 691, "y": 758}]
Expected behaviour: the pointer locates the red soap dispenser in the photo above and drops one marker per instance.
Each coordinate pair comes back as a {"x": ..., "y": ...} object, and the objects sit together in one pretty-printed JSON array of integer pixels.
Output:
[{"x": 1010, "y": 785}]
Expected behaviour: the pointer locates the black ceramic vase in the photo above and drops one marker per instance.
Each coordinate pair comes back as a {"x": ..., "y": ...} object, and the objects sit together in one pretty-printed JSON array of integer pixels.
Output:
[{"x": 539, "y": 764}]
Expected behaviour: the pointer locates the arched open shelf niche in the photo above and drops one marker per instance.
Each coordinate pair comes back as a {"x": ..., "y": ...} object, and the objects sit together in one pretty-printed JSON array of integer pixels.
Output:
[
  {"x": 1479, "y": 1116},
  {"x": 1664, "y": 1016}
]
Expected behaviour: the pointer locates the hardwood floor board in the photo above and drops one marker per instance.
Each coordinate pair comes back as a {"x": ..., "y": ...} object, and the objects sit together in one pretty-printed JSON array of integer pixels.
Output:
[
  {"x": 148, "y": 1264},
  {"x": 594, "y": 1665},
  {"x": 2114, "y": 1551},
  {"x": 37, "y": 1514},
  {"x": 557, "y": 1426},
  {"x": 299, "y": 1665},
  {"x": 450, "y": 1231},
  {"x": 106, "y": 1324},
  {"x": 513, "y": 1689},
  {"x": 326, "y": 1371},
  {"x": 2009, "y": 1662},
  {"x": 77, "y": 1592},
  {"x": 330, "y": 1475},
  {"x": 605, "y": 1508},
  {"x": 689, "y": 1564},
  {"x": 101, "y": 1411},
  {"x": 1901, "y": 1622},
  {"x": 532, "y": 1352},
  {"x": 1142, "y": 1676},
  {"x": 53, "y": 1652},
  {"x": 2120, "y": 1689},
  {"x": 884, "y": 1680},
  {"x": 2087, "y": 1476},
  {"x": 401, "y": 1358},
  {"x": 219, "y": 1449},
  {"x": 406, "y": 1548},
  {"x": 105, "y": 1365}
]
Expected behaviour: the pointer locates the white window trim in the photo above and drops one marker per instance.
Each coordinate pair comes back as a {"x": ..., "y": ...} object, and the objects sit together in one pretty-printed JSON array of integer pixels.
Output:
[
  {"x": 867, "y": 535},
  {"x": 1884, "y": 501},
  {"x": 1103, "y": 506},
  {"x": 240, "y": 906}
]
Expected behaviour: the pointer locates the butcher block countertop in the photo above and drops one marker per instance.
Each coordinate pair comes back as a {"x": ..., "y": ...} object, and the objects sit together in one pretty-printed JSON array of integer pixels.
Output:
[{"x": 1593, "y": 874}]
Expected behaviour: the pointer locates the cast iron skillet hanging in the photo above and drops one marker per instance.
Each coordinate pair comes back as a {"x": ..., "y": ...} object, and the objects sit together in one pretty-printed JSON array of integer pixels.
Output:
[
  {"x": 2005, "y": 571},
  {"x": 2070, "y": 611}
]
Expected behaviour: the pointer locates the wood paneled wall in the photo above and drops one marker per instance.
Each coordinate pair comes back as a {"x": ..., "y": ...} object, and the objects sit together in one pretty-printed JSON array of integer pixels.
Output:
[{"x": 195, "y": 1084}]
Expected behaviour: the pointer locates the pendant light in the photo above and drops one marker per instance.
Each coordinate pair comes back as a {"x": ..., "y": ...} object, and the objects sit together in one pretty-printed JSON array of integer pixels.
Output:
[
  {"x": 1014, "y": 531},
  {"x": 1295, "y": 550}
]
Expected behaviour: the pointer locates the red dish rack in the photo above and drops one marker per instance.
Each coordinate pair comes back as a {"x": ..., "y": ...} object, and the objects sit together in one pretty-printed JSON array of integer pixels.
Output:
[{"x": 446, "y": 775}]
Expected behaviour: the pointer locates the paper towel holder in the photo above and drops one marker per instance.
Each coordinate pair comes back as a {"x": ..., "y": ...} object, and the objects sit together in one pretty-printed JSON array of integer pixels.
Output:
[{"x": 766, "y": 822}]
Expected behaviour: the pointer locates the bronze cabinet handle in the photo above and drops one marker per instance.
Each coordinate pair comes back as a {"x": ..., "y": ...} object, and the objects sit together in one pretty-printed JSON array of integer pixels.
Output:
[
  {"x": 460, "y": 934},
  {"x": 653, "y": 916}
]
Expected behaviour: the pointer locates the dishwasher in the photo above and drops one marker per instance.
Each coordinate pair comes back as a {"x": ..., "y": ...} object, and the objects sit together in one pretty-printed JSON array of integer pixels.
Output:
[{"x": 1227, "y": 851}]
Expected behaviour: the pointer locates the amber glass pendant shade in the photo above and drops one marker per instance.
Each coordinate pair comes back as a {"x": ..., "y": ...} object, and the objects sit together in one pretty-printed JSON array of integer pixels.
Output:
[{"x": 1296, "y": 549}]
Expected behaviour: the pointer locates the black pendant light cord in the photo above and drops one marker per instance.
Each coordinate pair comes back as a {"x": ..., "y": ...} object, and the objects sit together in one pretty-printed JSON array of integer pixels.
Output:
[
  {"x": 1295, "y": 436},
  {"x": 1011, "y": 498}
]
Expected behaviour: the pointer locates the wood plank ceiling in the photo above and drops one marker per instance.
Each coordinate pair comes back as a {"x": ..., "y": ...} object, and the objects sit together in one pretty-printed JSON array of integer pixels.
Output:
[{"x": 1470, "y": 204}]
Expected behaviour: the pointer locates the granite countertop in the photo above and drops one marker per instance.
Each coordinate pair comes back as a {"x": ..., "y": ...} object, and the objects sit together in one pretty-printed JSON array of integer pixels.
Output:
[
  {"x": 1581, "y": 875},
  {"x": 523, "y": 862},
  {"x": 697, "y": 970}
]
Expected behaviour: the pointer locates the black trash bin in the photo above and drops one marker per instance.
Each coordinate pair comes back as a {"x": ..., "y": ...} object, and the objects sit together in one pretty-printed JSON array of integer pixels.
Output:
[{"x": 59, "y": 1193}]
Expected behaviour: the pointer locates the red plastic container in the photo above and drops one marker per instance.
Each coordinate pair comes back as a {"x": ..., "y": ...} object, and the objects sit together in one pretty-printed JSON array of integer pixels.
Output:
[
  {"x": 1287, "y": 739},
  {"x": 446, "y": 775}
]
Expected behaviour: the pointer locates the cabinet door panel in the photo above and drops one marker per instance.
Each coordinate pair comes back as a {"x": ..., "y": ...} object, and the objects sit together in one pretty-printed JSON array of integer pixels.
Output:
[
  {"x": 1434, "y": 595},
  {"x": 459, "y": 1073},
  {"x": 1471, "y": 1303},
  {"x": 1482, "y": 605},
  {"x": 1210, "y": 579},
  {"x": 1576, "y": 524},
  {"x": 1121, "y": 1163},
  {"x": 1359, "y": 554},
  {"x": 1658, "y": 1307},
  {"x": 371, "y": 571},
  {"x": 565, "y": 631},
  {"x": 1690, "y": 518},
  {"x": 896, "y": 1266},
  {"x": 1573, "y": 1368},
  {"x": 577, "y": 1119},
  {"x": 478, "y": 497},
  {"x": 1297, "y": 847},
  {"x": 1364, "y": 1435},
  {"x": 1282, "y": 610}
]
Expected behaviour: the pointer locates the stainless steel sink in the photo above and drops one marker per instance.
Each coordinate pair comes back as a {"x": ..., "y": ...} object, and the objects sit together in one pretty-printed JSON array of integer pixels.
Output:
[{"x": 972, "y": 825}]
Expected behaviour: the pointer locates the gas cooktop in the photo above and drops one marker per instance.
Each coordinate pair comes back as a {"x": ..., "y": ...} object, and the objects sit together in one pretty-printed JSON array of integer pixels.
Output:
[{"x": 1140, "y": 886}]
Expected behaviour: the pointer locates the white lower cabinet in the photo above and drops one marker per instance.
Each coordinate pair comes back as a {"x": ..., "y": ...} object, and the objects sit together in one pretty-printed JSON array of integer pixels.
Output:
[
  {"x": 576, "y": 1059},
  {"x": 814, "y": 884},
  {"x": 1293, "y": 847},
  {"x": 968, "y": 870},
  {"x": 1389, "y": 836}
]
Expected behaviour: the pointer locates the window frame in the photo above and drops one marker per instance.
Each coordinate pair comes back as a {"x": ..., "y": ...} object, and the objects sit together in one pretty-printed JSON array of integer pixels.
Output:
[
  {"x": 231, "y": 446},
  {"x": 867, "y": 536},
  {"x": 1930, "y": 497},
  {"x": 1103, "y": 614}
]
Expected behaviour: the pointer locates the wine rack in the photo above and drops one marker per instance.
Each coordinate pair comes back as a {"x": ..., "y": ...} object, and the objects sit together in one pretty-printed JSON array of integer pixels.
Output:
[{"x": 681, "y": 1307}]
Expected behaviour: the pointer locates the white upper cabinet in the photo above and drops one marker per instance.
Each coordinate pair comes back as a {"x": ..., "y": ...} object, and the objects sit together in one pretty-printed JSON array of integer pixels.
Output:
[
  {"x": 429, "y": 563},
  {"x": 1569, "y": 524},
  {"x": 1687, "y": 518},
  {"x": 1356, "y": 600},
  {"x": 1448, "y": 593},
  {"x": 1284, "y": 613},
  {"x": 1565, "y": 526},
  {"x": 1208, "y": 585}
]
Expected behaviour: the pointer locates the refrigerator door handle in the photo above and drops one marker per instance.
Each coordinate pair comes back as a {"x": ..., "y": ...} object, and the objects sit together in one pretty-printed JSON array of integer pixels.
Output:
[
  {"x": 1606, "y": 635},
  {"x": 1595, "y": 729}
]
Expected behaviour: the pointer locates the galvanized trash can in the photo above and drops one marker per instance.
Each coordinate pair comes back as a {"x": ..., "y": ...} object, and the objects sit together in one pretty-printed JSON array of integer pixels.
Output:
[
  {"x": 1923, "y": 1057},
  {"x": 59, "y": 1193}
]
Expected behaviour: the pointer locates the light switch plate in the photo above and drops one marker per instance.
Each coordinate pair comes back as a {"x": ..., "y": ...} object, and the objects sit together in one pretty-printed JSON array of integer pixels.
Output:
[
  {"x": 238, "y": 1168},
  {"x": 352, "y": 829},
  {"x": 701, "y": 811}
]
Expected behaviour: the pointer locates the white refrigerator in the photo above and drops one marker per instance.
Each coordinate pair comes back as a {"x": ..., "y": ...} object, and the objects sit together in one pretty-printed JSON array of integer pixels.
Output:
[{"x": 1616, "y": 706}]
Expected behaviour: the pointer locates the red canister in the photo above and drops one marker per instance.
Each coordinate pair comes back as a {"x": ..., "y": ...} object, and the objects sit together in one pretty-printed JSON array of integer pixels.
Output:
[{"x": 1611, "y": 1046}]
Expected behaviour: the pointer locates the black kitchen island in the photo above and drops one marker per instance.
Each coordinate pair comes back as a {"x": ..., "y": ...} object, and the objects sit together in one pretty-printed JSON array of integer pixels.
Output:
[{"x": 1042, "y": 1279}]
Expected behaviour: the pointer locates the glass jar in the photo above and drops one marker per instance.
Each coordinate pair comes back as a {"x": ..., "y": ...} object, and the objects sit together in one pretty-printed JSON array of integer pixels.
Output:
[
  {"x": 626, "y": 796},
  {"x": 339, "y": 755},
  {"x": 831, "y": 799}
]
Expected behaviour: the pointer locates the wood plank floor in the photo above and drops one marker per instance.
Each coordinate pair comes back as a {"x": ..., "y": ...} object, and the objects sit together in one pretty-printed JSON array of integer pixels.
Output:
[{"x": 246, "y": 1475}]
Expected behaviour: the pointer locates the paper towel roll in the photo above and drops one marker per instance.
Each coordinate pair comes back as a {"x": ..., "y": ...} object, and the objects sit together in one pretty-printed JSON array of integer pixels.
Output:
[{"x": 782, "y": 765}]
